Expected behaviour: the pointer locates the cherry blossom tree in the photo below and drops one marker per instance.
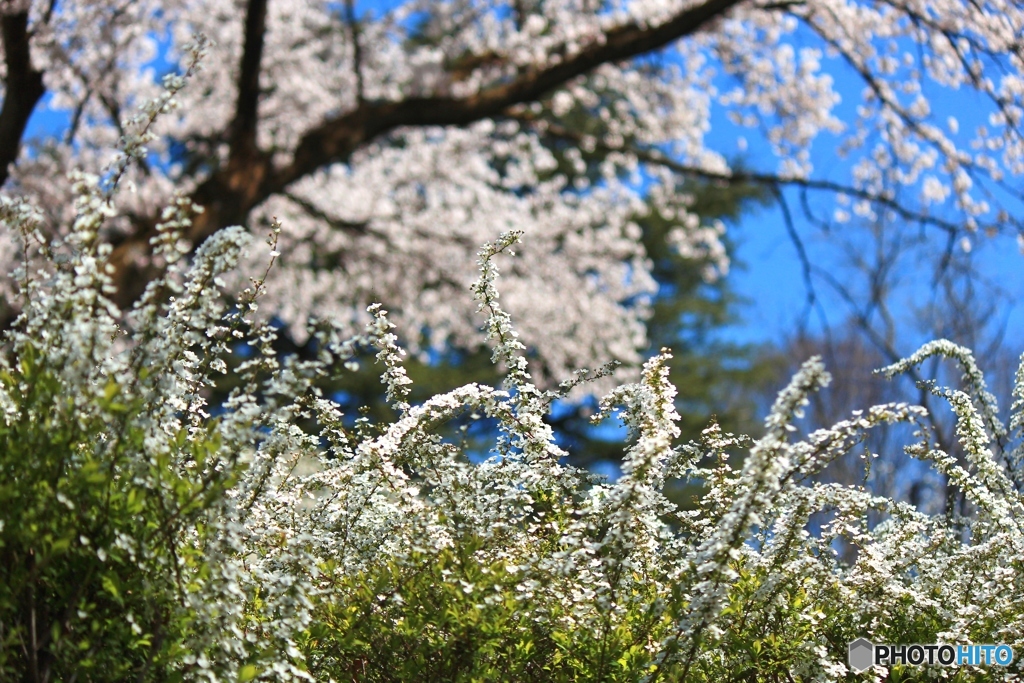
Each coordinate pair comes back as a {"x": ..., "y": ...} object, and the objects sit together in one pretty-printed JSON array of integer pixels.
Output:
[{"x": 392, "y": 142}]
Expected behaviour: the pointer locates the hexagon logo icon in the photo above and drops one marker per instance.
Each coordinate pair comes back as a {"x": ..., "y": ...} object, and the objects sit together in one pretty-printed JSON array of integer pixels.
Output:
[{"x": 862, "y": 655}]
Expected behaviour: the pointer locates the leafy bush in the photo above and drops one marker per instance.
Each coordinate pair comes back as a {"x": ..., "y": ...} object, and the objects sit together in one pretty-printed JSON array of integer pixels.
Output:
[{"x": 144, "y": 536}]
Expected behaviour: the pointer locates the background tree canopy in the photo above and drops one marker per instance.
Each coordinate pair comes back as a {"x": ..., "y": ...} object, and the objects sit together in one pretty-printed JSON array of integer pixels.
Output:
[{"x": 391, "y": 143}]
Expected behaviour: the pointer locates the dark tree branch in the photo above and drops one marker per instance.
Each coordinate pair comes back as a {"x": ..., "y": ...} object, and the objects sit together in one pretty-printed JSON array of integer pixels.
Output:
[
  {"x": 805, "y": 264},
  {"x": 23, "y": 88},
  {"x": 768, "y": 180},
  {"x": 336, "y": 139},
  {"x": 355, "y": 228},
  {"x": 357, "y": 50},
  {"x": 49, "y": 12},
  {"x": 230, "y": 194},
  {"x": 243, "y": 127}
]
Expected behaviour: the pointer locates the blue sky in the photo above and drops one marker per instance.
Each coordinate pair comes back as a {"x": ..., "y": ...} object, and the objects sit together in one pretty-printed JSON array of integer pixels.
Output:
[{"x": 772, "y": 279}]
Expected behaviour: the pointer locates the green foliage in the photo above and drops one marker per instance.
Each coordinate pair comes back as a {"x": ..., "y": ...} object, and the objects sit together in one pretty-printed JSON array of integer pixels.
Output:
[
  {"x": 95, "y": 561},
  {"x": 448, "y": 616}
]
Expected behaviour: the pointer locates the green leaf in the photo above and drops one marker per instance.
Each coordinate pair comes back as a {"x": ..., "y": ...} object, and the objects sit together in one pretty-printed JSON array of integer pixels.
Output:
[
  {"x": 110, "y": 391},
  {"x": 111, "y": 587}
]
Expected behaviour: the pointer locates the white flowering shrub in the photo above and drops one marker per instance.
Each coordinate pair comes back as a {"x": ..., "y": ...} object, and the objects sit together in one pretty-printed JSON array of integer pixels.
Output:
[
  {"x": 143, "y": 537},
  {"x": 124, "y": 535},
  {"x": 146, "y": 535}
]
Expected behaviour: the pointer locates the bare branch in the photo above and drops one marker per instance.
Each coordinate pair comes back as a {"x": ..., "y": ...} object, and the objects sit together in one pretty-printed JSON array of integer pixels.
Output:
[
  {"x": 767, "y": 179},
  {"x": 805, "y": 263}
]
